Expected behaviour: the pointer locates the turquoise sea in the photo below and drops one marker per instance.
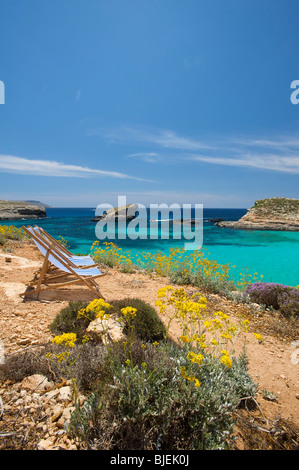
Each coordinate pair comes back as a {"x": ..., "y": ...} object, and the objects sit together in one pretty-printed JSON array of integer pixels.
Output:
[{"x": 273, "y": 254}]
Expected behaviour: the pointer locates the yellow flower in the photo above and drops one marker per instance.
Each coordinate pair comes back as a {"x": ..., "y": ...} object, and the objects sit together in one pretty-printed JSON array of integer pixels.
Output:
[
  {"x": 197, "y": 383},
  {"x": 184, "y": 339},
  {"x": 183, "y": 372},
  {"x": 225, "y": 359},
  {"x": 161, "y": 293},
  {"x": 258, "y": 337},
  {"x": 68, "y": 339},
  {"x": 190, "y": 378},
  {"x": 195, "y": 358},
  {"x": 102, "y": 315},
  {"x": 81, "y": 313},
  {"x": 129, "y": 312},
  {"x": 98, "y": 305},
  {"x": 226, "y": 336}
]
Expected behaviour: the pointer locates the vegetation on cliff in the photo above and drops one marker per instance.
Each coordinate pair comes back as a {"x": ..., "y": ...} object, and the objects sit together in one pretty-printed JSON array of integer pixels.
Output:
[
  {"x": 277, "y": 207},
  {"x": 277, "y": 213}
]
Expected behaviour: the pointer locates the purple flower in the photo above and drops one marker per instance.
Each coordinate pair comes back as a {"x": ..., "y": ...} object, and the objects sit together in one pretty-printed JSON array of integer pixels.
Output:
[{"x": 279, "y": 296}]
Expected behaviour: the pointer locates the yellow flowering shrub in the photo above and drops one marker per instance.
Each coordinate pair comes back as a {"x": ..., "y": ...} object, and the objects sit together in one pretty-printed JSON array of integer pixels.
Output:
[
  {"x": 10, "y": 232},
  {"x": 180, "y": 266},
  {"x": 202, "y": 333},
  {"x": 64, "y": 358},
  {"x": 98, "y": 307}
]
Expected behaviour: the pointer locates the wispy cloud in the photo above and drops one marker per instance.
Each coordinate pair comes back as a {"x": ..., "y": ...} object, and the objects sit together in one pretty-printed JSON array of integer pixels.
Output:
[
  {"x": 13, "y": 164},
  {"x": 281, "y": 163},
  {"x": 149, "y": 157},
  {"x": 164, "y": 138},
  {"x": 279, "y": 153}
]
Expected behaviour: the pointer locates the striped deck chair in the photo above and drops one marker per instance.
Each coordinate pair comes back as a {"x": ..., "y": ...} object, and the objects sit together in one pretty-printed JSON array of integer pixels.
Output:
[{"x": 56, "y": 267}]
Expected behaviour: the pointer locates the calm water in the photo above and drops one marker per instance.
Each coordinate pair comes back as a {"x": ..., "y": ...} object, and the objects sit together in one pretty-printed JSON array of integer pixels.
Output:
[{"x": 273, "y": 254}]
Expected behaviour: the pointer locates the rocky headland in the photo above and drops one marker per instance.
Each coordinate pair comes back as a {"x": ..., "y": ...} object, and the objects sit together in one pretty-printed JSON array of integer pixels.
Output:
[
  {"x": 18, "y": 210},
  {"x": 276, "y": 213}
]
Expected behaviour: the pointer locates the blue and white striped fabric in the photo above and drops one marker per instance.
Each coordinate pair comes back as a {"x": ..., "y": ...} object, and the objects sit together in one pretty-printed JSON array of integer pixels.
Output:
[
  {"x": 57, "y": 261},
  {"x": 78, "y": 260}
]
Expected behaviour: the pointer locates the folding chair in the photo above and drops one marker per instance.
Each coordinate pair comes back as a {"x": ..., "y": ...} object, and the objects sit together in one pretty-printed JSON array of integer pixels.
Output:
[
  {"x": 56, "y": 266},
  {"x": 76, "y": 259}
]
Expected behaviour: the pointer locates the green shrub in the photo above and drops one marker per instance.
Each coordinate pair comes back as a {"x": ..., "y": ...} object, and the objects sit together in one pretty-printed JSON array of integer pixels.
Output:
[
  {"x": 86, "y": 370},
  {"x": 211, "y": 284},
  {"x": 151, "y": 406},
  {"x": 67, "y": 322},
  {"x": 147, "y": 324}
]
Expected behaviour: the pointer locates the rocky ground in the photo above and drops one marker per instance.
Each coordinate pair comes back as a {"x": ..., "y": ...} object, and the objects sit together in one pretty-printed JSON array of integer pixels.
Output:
[{"x": 33, "y": 412}]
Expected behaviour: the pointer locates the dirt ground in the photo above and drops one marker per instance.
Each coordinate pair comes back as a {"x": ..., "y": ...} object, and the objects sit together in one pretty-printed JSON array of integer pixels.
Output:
[{"x": 273, "y": 364}]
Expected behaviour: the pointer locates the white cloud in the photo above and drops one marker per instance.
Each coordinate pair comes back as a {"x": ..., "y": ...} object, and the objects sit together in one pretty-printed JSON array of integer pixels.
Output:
[
  {"x": 273, "y": 153},
  {"x": 281, "y": 163},
  {"x": 162, "y": 137},
  {"x": 13, "y": 164}
]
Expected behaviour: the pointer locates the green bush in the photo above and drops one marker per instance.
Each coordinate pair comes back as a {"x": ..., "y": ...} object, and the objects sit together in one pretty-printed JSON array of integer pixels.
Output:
[
  {"x": 86, "y": 370},
  {"x": 210, "y": 284},
  {"x": 151, "y": 406},
  {"x": 147, "y": 324},
  {"x": 67, "y": 322}
]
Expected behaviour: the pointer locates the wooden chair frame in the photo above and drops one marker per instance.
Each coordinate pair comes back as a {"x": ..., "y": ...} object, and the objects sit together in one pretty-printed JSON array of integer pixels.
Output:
[{"x": 50, "y": 272}]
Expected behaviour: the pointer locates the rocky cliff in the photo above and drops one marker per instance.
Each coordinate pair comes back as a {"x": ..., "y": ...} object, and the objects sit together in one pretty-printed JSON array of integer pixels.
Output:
[
  {"x": 16, "y": 210},
  {"x": 276, "y": 213}
]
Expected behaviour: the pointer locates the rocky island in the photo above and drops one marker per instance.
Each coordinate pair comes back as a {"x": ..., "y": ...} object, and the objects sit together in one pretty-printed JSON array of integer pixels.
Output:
[
  {"x": 17, "y": 210},
  {"x": 119, "y": 213},
  {"x": 277, "y": 213}
]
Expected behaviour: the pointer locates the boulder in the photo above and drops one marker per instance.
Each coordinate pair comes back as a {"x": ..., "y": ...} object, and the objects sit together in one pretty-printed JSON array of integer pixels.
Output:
[
  {"x": 110, "y": 328},
  {"x": 36, "y": 383}
]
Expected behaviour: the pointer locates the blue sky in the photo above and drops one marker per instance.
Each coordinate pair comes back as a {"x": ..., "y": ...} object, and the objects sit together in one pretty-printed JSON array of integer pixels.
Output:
[{"x": 162, "y": 101}]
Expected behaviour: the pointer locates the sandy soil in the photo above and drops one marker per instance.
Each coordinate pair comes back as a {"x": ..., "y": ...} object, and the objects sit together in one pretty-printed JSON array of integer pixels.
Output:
[{"x": 273, "y": 364}]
